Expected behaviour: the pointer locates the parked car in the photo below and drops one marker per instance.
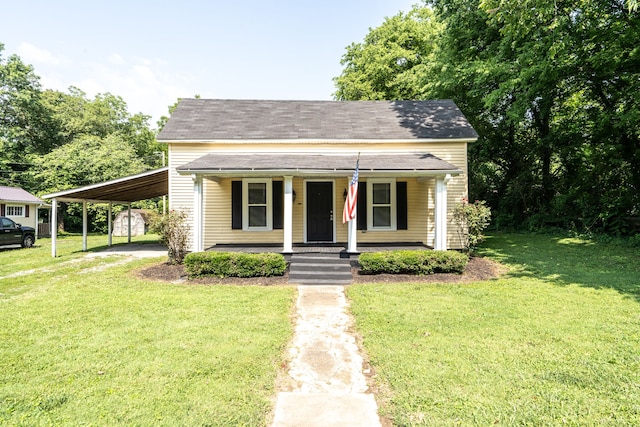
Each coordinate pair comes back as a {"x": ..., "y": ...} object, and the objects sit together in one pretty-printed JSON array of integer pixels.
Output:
[{"x": 12, "y": 233}]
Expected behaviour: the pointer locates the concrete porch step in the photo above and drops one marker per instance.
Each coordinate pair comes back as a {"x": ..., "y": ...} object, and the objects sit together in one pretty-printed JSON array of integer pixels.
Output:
[{"x": 319, "y": 269}]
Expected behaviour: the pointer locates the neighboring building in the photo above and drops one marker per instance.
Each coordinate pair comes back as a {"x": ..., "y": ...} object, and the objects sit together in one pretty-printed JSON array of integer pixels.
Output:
[
  {"x": 277, "y": 172},
  {"x": 139, "y": 222},
  {"x": 20, "y": 206}
]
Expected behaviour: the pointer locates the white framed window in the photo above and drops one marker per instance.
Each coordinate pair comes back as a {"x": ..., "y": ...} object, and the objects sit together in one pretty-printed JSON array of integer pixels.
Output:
[
  {"x": 381, "y": 204},
  {"x": 257, "y": 204},
  {"x": 14, "y": 210}
]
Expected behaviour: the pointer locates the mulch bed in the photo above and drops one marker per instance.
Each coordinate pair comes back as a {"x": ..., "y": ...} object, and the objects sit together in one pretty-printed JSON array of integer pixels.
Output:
[{"x": 477, "y": 269}]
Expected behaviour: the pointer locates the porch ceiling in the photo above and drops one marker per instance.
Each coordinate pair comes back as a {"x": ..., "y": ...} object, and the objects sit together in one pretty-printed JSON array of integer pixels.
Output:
[{"x": 400, "y": 164}]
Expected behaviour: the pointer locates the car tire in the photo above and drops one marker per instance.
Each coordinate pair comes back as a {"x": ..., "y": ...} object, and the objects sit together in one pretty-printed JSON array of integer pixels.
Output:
[{"x": 28, "y": 241}]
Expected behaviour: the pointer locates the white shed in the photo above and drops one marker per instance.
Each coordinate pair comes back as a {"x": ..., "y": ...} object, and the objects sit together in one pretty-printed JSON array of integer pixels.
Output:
[{"x": 139, "y": 222}]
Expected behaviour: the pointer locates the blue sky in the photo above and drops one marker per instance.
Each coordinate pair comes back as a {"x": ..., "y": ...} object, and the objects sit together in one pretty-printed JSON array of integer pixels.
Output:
[{"x": 152, "y": 52}]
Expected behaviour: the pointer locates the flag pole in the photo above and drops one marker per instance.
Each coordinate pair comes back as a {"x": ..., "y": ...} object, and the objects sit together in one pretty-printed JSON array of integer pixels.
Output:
[{"x": 351, "y": 209}]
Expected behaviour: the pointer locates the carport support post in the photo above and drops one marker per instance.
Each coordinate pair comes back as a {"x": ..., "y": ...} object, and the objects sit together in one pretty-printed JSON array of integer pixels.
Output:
[
  {"x": 129, "y": 225},
  {"x": 288, "y": 214},
  {"x": 109, "y": 223},
  {"x": 84, "y": 226},
  {"x": 54, "y": 226}
]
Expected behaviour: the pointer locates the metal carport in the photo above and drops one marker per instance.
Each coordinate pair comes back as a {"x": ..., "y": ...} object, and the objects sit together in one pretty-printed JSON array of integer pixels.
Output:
[{"x": 145, "y": 185}]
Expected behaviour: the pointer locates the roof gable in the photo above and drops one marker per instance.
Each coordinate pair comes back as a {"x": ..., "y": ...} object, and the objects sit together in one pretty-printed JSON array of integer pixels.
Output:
[
  {"x": 214, "y": 120},
  {"x": 16, "y": 194}
]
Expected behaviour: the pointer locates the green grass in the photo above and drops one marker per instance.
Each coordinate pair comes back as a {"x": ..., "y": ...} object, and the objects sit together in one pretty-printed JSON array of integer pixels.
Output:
[
  {"x": 69, "y": 246},
  {"x": 554, "y": 342},
  {"x": 85, "y": 348}
]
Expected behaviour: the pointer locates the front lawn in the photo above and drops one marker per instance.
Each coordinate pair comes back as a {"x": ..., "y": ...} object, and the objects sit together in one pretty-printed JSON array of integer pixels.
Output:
[
  {"x": 81, "y": 344},
  {"x": 556, "y": 341}
]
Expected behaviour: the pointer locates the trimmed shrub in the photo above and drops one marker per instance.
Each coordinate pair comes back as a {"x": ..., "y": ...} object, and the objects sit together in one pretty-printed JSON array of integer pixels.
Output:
[
  {"x": 413, "y": 262},
  {"x": 234, "y": 264}
]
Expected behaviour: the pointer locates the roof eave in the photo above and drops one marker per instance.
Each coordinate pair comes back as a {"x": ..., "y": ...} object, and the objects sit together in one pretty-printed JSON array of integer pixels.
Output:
[
  {"x": 29, "y": 202},
  {"x": 90, "y": 200},
  {"x": 316, "y": 140},
  {"x": 232, "y": 173}
]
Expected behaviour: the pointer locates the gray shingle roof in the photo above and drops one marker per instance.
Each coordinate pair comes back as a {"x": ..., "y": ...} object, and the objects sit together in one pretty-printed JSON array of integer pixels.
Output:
[
  {"x": 16, "y": 194},
  {"x": 342, "y": 164},
  {"x": 213, "y": 119}
]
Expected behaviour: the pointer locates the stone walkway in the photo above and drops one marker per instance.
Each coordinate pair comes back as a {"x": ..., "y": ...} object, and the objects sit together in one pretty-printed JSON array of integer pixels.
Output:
[{"x": 331, "y": 389}]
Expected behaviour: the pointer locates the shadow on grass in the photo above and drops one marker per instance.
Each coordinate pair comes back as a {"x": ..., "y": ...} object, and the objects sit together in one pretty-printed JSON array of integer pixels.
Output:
[
  {"x": 565, "y": 260},
  {"x": 6, "y": 248},
  {"x": 124, "y": 245}
]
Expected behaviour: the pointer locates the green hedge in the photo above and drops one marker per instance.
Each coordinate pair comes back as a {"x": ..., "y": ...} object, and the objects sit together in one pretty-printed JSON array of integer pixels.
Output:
[
  {"x": 234, "y": 264},
  {"x": 413, "y": 262}
]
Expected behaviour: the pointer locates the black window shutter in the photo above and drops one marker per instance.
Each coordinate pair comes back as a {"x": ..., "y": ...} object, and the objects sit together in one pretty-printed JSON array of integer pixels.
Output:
[
  {"x": 236, "y": 205},
  {"x": 278, "y": 205},
  {"x": 362, "y": 205},
  {"x": 401, "y": 206},
  {"x": 26, "y": 211},
  {"x": 2, "y": 209}
]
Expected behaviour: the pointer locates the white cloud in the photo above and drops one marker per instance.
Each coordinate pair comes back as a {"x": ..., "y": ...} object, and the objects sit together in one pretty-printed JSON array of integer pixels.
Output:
[
  {"x": 147, "y": 86},
  {"x": 116, "y": 59},
  {"x": 147, "y": 89},
  {"x": 34, "y": 55},
  {"x": 145, "y": 73}
]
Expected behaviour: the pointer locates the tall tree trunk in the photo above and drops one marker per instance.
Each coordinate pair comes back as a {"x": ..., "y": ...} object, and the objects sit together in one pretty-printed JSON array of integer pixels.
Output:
[{"x": 62, "y": 208}]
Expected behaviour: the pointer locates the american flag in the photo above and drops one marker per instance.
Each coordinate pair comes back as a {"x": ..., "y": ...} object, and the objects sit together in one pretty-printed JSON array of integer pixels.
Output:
[{"x": 349, "y": 211}]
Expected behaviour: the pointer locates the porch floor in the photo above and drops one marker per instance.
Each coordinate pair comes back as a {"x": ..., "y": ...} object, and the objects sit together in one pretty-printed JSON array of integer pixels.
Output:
[{"x": 336, "y": 248}]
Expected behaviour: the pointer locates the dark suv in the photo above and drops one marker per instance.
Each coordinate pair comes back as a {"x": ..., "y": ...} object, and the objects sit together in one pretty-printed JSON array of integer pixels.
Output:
[{"x": 12, "y": 233}]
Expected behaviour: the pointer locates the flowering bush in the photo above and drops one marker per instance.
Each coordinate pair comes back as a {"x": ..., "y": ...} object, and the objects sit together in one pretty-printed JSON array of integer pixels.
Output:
[
  {"x": 174, "y": 233},
  {"x": 472, "y": 219}
]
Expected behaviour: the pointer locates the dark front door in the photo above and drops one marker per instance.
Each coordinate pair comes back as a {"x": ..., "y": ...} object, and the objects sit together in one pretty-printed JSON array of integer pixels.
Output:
[{"x": 320, "y": 211}]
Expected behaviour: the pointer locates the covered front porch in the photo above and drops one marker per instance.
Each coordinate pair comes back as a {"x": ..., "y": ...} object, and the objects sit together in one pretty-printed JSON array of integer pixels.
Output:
[
  {"x": 293, "y": 202},
  {"x": 337, "y": 248}
]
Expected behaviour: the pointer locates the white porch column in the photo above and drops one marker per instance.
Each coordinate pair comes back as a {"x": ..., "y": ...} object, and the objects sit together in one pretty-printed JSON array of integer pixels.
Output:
[
  {"x": 54, "y": 226},
  {"x": 84, "y": 226},
  {"x": 352, "y": 245},
  {"x": 440, "y": 240},
  {"x": 109, "y": 224},
  {"x": 288, "y": 215},
  {"x": 198, "y": 244}
]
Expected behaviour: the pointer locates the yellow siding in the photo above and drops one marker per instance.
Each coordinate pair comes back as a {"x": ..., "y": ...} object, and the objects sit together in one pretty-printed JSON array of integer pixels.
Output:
[
  {"x": 419, "y": 216},
  {"x": 217, "y": 217},
  {"x": 217, "y": 195}
]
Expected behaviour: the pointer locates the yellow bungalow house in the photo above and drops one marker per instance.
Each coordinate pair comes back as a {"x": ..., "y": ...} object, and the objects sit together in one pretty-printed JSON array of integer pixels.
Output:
[{"x": 277, "y": 172}]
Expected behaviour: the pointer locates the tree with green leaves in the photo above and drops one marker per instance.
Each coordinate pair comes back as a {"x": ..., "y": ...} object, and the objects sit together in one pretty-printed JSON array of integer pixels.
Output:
[
  {"x": 86, "y": 160},
  {"x": 52, "y": 140},
  {"x": 393, "y": 61},
  {"x": 24, "y": 121},
  {"x": 551, "y": 86},
  {"x": 104, "y": 115}
]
